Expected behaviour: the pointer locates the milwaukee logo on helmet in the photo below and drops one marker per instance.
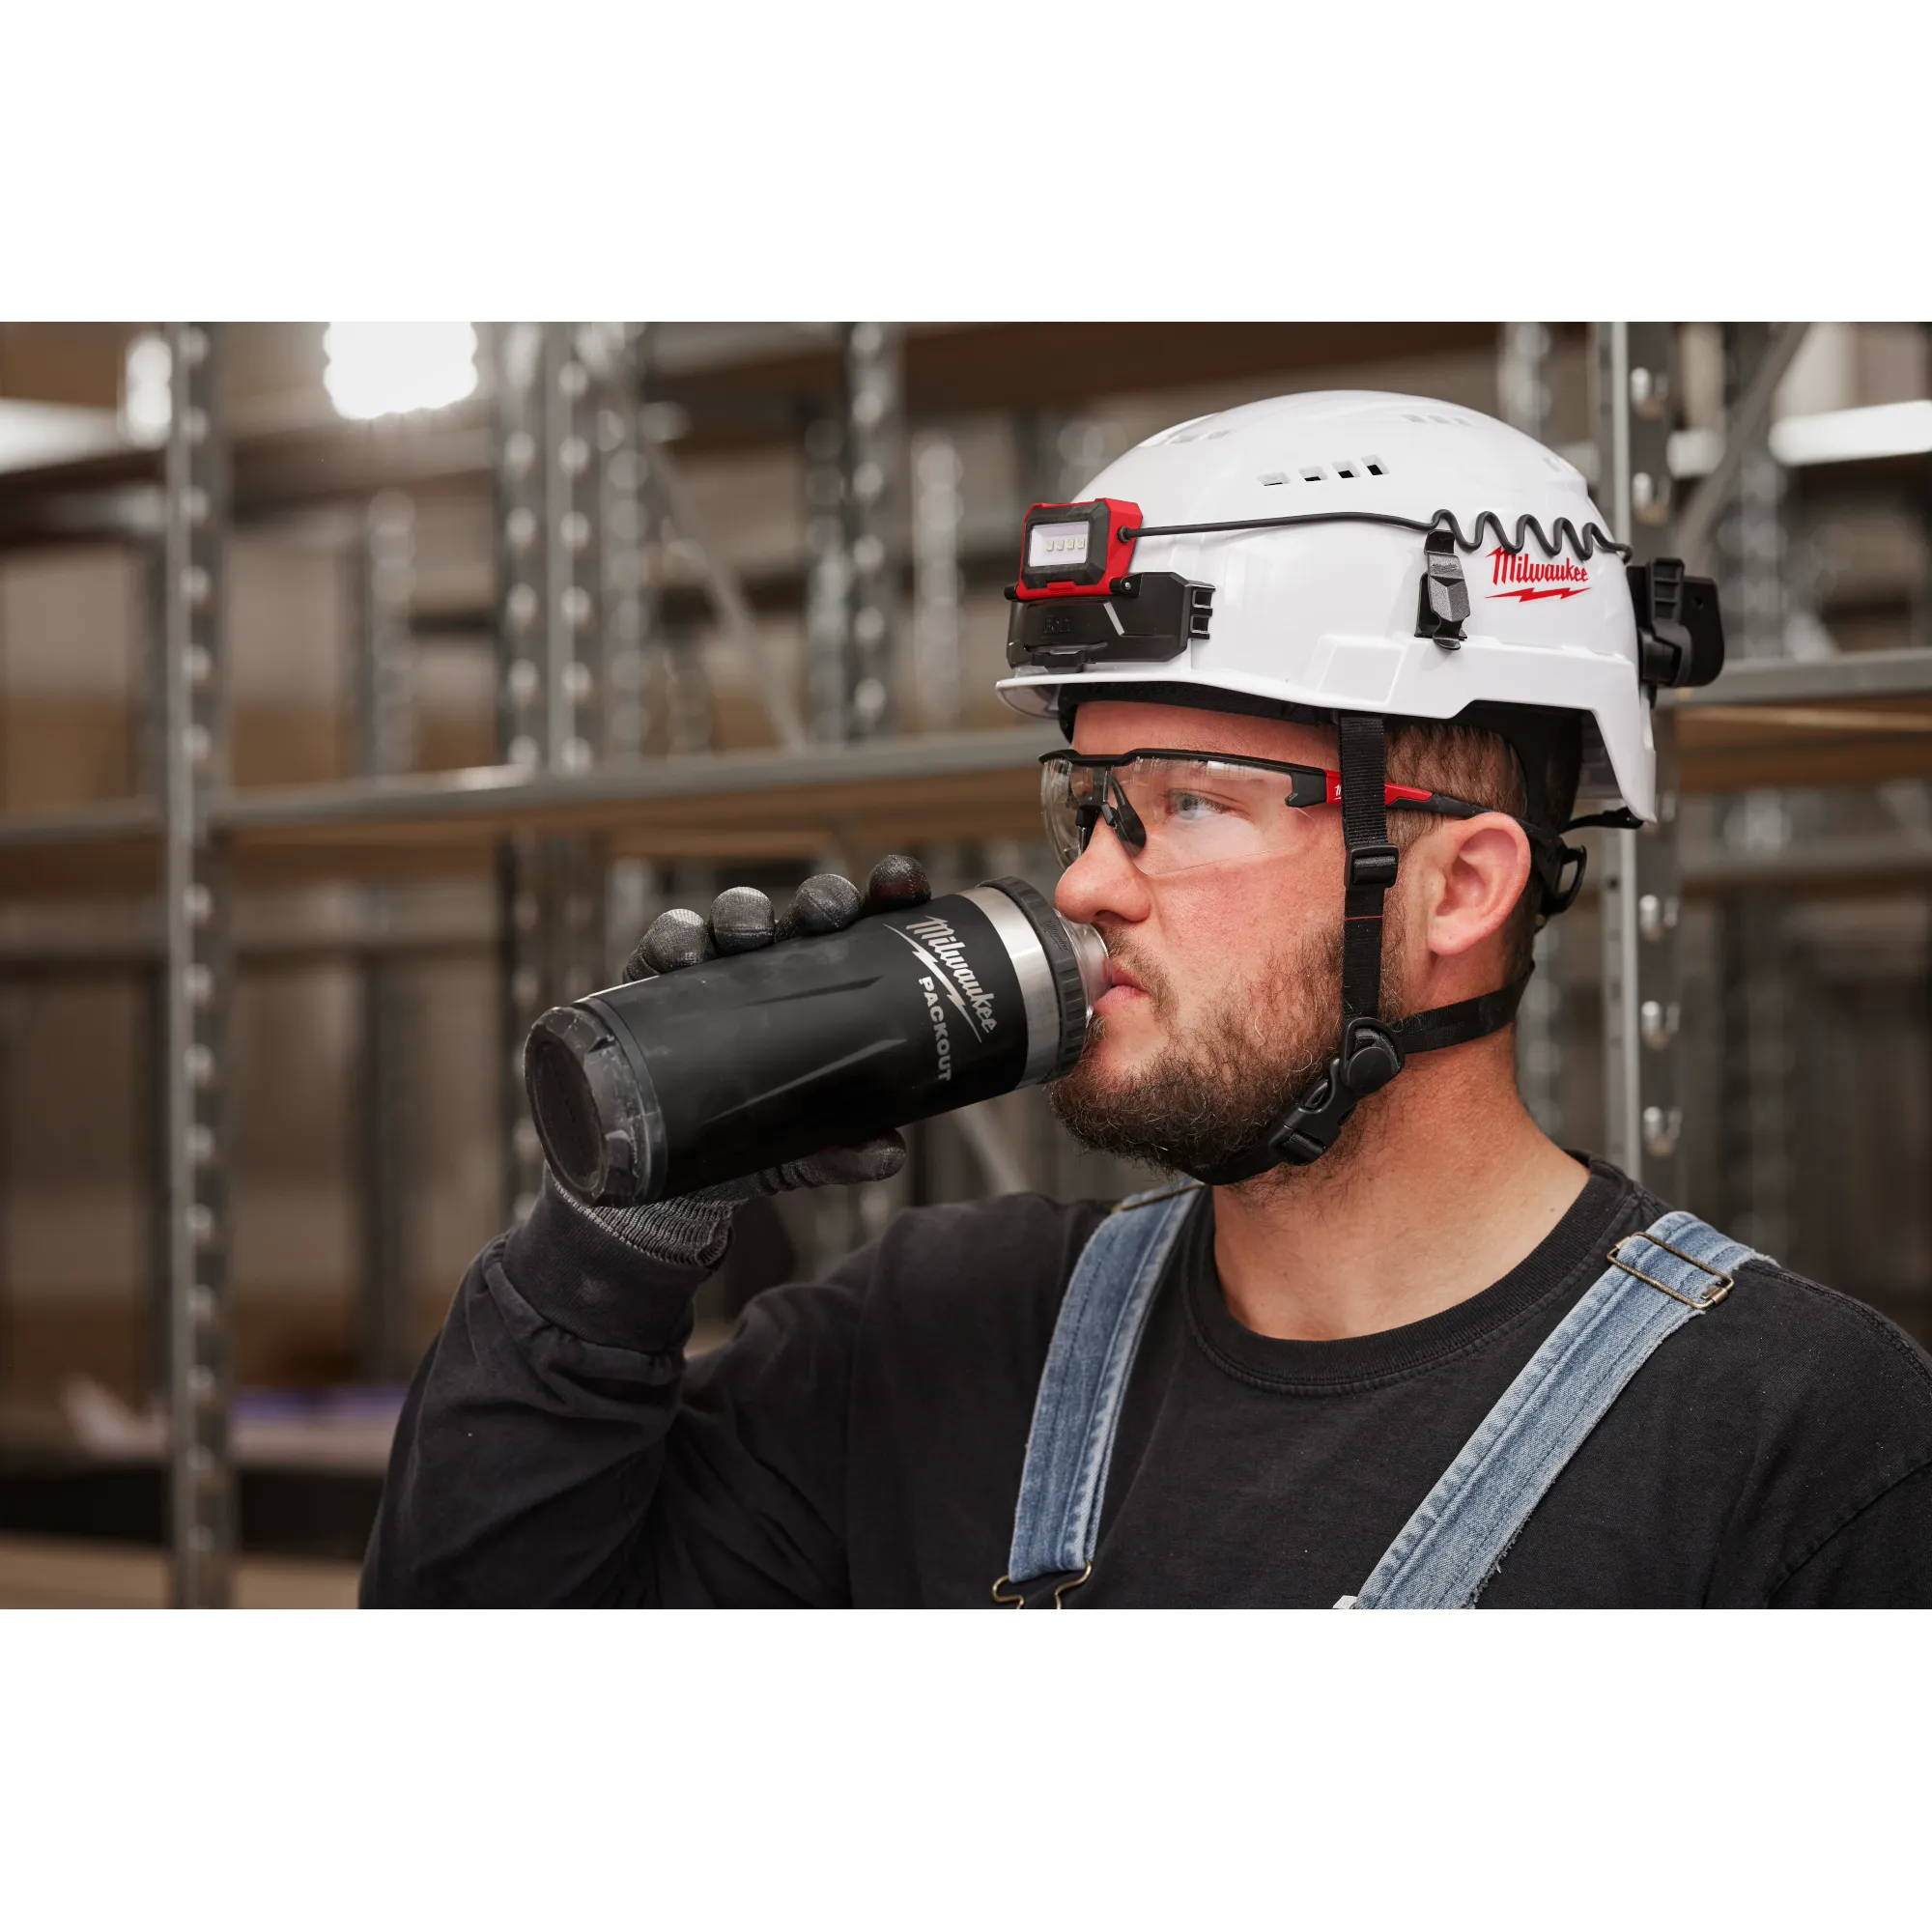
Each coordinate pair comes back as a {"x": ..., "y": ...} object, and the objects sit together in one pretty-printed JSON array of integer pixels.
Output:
[{"x": 1530, "y": 579}]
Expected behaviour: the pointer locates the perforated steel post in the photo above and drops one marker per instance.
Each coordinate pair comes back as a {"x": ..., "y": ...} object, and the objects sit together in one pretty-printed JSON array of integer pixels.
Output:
[
  {"x": 581, "y": 366},
  {"x": 1644, "y": 1118},
  {"x": 194, "y": 898},
  {"x": 875, "y": 444},
  {"x": 827, "y": 579},
  {"x": 572, "y": 641},
  {"x": 1756, "y": 1018},
  {"x": 624, "y": 497},
  {"x": 521, "y": 603},
  {"x": 549, "y": 579},
  {"x": 386, "y": 729},
  {"x": 937, "y": 580},
  {"x": 1523, "y": 390}
]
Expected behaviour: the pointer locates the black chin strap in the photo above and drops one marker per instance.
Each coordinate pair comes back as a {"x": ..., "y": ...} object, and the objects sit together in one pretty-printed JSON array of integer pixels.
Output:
[
  {"x": 1370, "y": 865},
  {"x": 1373, "y": 1052}
]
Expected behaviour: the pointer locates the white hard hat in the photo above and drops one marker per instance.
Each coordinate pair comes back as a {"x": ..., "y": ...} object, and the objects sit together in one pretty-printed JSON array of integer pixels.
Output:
[{"x": 1391, "y": 555}]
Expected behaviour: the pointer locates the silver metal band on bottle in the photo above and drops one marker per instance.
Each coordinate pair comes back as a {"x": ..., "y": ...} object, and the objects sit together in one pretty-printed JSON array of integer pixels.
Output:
[{"x": 1039, "y": 992}]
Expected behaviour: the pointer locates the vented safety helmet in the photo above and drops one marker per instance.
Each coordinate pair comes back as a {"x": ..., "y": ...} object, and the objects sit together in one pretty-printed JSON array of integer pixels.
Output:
[
  {"x": 1354, "y": 551},
  {"x": 1364, "y": 556}
]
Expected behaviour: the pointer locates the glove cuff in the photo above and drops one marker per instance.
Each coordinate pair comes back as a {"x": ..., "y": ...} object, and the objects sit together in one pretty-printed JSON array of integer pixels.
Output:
[{"x": 692, "y": 1231}]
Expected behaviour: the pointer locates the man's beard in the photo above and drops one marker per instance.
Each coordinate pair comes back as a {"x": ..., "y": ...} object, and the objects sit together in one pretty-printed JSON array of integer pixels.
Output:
[{"x": 1221, "y": 1081}]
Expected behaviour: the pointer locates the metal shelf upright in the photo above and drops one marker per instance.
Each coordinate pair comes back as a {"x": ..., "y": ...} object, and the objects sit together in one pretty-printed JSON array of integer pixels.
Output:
[
  {"x": 386, "y": 734},
  {"x": 1640, "y": 883},
  {"x": 197, "y": 1078},
  {"x": 551, "y": 506},
  {"x": 1523, "y": 395}
]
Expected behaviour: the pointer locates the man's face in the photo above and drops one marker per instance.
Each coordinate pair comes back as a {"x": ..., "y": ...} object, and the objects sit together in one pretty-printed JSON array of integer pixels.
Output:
[{"x": 1226, "y": 998}]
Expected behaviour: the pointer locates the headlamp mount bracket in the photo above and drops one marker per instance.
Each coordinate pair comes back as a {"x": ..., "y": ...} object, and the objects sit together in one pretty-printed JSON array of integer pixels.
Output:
[{"x": 1150, "y": 618}]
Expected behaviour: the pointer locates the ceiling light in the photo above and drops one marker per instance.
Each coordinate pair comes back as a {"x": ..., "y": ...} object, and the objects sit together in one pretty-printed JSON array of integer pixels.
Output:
[{"x": 389, "y": 368}]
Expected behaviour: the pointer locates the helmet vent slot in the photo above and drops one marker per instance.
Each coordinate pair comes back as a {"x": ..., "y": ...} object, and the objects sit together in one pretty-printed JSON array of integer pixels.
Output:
[{"x": 1346, "y": 472}]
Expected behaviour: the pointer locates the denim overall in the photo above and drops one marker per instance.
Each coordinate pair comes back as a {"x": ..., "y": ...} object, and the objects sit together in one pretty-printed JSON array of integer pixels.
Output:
[{"x": 1451, "y": 1545}]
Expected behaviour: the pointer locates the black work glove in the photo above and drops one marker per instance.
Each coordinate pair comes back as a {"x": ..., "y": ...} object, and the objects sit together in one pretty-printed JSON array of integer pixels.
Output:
[{"x": 696, "y": 1228}]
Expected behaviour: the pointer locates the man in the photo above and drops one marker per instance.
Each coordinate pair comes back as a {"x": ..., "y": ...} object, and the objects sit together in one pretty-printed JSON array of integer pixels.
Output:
[{"x": 1332, "y": 669}]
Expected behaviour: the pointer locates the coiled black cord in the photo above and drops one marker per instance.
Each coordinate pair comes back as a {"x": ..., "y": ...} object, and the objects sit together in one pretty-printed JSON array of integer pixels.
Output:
[{"x": 1584, "y": 543}]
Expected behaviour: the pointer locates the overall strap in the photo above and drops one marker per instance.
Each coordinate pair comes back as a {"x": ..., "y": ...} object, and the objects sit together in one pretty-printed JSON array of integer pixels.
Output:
[
  {"x": 1451, "y": 1546},
  {"x": 1078, "y": 1408}
]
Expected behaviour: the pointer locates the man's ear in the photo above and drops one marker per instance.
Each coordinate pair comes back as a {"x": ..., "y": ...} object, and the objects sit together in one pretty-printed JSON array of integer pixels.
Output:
[{"x": 1473, "y": 874}]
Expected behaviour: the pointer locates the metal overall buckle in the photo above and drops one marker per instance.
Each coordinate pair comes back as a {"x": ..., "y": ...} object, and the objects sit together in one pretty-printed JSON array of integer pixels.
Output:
[
  {"x": 1723, "y": 1282},
  {"x": 1017, "y": 1600}
]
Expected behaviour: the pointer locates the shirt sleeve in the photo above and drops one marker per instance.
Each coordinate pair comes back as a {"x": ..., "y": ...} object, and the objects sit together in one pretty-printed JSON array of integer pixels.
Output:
[
  {"x": 1879, "y": 1559},
  {"x": 554, "y": 1448}
]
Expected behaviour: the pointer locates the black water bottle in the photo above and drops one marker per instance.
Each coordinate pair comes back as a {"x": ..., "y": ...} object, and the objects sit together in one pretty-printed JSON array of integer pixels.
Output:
[{"x": 666, "y": 1085}]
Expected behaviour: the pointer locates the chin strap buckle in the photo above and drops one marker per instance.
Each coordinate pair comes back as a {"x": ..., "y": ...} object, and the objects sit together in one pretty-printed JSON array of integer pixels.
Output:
[{"x": 1368, "y": 1060}]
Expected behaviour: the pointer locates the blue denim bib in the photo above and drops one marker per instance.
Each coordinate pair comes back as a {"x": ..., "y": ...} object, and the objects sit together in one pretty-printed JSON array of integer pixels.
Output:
[{"x": 1451, "y": 1545}]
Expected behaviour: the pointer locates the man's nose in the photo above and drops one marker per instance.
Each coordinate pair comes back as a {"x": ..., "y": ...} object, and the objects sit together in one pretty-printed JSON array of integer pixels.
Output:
[{"x": 1103, "y": 881}]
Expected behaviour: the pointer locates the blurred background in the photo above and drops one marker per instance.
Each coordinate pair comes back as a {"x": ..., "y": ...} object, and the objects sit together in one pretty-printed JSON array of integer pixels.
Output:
[{"x": 365, "y": 688}]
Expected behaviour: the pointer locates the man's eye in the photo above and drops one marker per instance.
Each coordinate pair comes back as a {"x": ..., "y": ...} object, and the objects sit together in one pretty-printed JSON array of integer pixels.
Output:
[{"x": 1190, "y": 805}]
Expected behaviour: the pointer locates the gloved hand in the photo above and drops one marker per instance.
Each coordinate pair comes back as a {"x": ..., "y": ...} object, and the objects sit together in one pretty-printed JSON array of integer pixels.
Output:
[{"x": 696, "y": 1228}]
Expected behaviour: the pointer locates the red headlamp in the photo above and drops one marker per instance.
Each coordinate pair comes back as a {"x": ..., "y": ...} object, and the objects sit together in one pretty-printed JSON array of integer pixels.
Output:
[{"x": 1075, "y": 550}]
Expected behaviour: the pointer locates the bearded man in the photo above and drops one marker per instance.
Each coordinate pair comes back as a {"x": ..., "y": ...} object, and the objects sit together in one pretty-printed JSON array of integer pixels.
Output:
[{"x": 1375, "y": 1340}]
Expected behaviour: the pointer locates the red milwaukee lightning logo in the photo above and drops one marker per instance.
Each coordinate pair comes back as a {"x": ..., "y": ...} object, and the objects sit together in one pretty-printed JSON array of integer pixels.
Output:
[{"x": 1529, "y": 581}]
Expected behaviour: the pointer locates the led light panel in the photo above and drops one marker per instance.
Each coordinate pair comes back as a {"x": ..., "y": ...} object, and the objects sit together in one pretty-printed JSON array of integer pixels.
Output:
[{"x": 1057, "y": 545}]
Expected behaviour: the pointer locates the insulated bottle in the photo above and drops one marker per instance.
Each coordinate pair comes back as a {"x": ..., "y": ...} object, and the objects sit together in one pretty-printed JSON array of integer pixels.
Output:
[{"x": 666, "y": 1085}]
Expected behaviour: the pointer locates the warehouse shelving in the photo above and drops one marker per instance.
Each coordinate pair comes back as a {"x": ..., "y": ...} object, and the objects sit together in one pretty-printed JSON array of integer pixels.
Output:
[{"x": 845, "y": 784}]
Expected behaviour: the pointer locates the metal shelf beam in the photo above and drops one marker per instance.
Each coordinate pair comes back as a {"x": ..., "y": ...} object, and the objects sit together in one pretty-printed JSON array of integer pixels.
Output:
[{"x": 1847, "y": 720}]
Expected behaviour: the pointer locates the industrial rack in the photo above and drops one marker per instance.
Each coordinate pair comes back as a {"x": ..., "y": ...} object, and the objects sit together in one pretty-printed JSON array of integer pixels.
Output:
[{"x": 572, "y": 435}]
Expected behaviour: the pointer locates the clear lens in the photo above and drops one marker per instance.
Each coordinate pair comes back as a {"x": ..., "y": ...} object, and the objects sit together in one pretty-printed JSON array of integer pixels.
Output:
[
  {"x": 1170, "y": 813},
  {"x": 1061, "y": 810}
]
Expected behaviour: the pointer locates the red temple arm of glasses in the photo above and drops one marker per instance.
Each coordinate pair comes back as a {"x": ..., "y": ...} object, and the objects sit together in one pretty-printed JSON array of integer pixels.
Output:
[{"x": 1395, "y": 794}]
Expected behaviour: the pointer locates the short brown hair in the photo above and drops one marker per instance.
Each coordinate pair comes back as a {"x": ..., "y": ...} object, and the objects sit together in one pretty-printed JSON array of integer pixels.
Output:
[{"x": 1480, "y": 765}]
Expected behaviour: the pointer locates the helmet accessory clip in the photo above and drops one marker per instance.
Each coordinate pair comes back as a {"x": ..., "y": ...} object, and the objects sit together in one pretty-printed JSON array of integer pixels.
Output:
[
  {"x": 1680, "y": 632},
  {"x": 1443, "y": 606}
]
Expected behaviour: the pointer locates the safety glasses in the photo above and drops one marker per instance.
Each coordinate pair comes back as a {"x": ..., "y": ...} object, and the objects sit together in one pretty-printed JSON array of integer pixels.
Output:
[{"x": 1172, "y": 810}]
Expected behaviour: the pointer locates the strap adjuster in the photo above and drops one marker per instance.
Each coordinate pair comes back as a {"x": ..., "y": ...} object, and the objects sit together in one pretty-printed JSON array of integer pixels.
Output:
[
  {"x": 1722, "y": 1284},
  {"x": 1061, "y": 1581},
  {"x": 1372, "y": 866}
]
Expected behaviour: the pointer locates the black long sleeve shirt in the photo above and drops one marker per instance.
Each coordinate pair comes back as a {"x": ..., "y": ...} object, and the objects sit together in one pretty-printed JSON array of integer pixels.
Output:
[{"x": 860, "y": 1440}]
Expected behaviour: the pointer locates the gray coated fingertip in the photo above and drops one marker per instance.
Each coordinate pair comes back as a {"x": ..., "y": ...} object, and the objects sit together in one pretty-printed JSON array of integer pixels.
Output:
[
  {"x": 677, "y": 938},
  {"x": 826, "y": 902},
  {"x": 896, "y": 881},
  {"x": 741, "y": 920},
  {"x": 885, "y": 1157},
  {"x": 636, "y": 966},
  {"x": 847, "y": 1166}
]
